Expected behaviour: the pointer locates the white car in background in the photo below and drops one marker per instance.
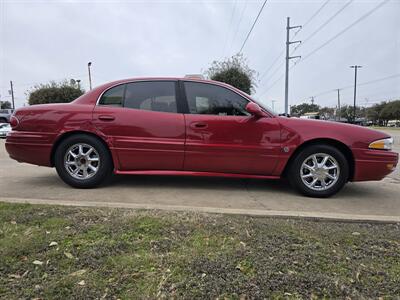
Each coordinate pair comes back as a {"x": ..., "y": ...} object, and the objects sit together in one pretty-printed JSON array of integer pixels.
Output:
[{"x": 4, "y": 129}]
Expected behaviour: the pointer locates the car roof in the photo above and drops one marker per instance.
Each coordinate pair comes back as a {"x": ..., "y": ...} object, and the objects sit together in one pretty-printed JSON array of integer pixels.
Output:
[{"x": 170, "y": 78}]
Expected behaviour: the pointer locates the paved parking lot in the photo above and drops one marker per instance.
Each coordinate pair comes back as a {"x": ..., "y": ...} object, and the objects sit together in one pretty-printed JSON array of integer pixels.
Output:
[{"x": 369, "y": 200}]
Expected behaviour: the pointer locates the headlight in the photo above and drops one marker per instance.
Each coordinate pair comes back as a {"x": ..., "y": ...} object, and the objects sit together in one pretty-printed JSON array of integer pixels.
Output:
[{"x": 383, "y": 144}]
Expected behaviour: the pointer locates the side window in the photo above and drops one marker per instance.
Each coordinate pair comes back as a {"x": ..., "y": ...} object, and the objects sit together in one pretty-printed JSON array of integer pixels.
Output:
[
  {"x": 113, "y": 96},
  {"x": 151, "y": 95},
  {"x": 210, "y": 99}
]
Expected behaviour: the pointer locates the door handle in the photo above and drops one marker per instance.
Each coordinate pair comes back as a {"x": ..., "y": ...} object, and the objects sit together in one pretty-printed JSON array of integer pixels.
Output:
[
  {"x": 198, "y": 125},
  {"x": 106, "y": 118}
]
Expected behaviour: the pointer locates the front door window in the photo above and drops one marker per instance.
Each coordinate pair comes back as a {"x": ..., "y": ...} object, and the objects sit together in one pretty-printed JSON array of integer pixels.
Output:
[{"x": 208, "y": 99}]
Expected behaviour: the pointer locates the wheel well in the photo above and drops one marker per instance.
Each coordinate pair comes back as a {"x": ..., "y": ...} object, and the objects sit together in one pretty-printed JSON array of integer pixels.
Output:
[
  {"x": 334, "y": 143},
  {"x": 70, "y": 133}
]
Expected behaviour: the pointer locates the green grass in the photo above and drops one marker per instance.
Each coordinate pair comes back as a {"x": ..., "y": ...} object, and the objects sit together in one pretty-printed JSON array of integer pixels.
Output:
[
  {"x": 385, "y": 128},
  {"x": 128, "y": 254}
]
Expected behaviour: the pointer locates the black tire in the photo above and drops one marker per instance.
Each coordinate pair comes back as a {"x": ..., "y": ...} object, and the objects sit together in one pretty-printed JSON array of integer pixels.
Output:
[
  {"x": 3, "y": 120},
  {"x": 105, "y": 161},
  {"x": 294, "y": 177}
]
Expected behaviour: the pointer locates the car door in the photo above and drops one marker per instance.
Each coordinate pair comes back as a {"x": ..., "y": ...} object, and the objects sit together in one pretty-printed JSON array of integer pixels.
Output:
[
  {"x": 142, "y": 122},
  {"x": 221, "y": 136}
]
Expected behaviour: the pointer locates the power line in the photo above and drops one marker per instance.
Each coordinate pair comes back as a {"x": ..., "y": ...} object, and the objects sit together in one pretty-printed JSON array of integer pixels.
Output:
[
  {"x": 326, "y": 43},
  {"x": 325, "y": 23},
  {"x": 310, "y": 19},
  {"x": 376, "y": 80},
  {"x": 252, "y": 27},
  {"x": 272, "y": 85},
  {"x": 316, "y": 13},
  {"x": 393, "y": 98},
  {"x": 230, "y": 25},
  {"x": 281, "y": 54},
  {"x": 280, "y": 65},
  {"x": 360, "y": 84},
  {"x": 277, "y": 80},
  {"x": 274, "y": 72},
  {"x": 334, "y": 90},
  {"x": 274, "y": 62},
  {"x": 345, "y": 29},
  {"x": 238, "y": 26}
]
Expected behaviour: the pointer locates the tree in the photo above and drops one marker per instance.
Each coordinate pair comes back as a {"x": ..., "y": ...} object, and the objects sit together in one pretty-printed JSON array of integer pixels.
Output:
[
  {"x": 347, "y": 112},
  {"x": 327, "y": 113},
  {"x": 373, "y": 112},
  {"x": 396, "y": 109},
  {"x": 391, "y": 111},
  {"x": 301, "y": 109},
  {"x": 235, "y": 72},
  {"x": 53, "y": 92},
  {"x": 5, "y": 105}
]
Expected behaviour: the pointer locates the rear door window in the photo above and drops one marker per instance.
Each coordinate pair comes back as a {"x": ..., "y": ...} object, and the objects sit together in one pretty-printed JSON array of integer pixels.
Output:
[
  {"x": 151, "y": 95},
  {"x": 113, "y": 96}
]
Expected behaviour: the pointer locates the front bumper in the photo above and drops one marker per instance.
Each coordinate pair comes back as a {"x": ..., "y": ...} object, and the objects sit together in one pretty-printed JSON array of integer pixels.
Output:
[
  {"x": 28, "y": 147},
  {"x": 373, "y": 164}
]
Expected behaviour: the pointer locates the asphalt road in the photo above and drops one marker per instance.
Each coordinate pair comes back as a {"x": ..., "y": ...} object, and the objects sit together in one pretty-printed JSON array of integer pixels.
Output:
[{"x": 368, "y": 200}]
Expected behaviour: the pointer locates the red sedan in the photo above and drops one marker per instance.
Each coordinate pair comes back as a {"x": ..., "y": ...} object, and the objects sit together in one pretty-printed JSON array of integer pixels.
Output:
[{"x": 175, "y": 126}]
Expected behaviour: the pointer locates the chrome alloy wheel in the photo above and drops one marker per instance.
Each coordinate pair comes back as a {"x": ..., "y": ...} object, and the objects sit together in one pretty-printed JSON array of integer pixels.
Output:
[
  {"x": 319, "y": 171},
  {"x": 81, "y": 161}
]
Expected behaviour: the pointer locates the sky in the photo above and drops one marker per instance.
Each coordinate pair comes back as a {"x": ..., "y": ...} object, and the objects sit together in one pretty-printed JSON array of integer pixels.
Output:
[{"x": 54, "y": 40}]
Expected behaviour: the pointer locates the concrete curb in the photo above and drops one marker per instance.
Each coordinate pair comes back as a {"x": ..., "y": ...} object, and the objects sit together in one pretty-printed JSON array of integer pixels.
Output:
[{"x": 252, "y": 212}]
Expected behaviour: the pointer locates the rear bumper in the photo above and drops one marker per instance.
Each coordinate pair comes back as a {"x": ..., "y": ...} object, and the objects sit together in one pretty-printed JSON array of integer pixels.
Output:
[
  {"x": 33, "y": 148},
  {"x": 373, "y": 164}
]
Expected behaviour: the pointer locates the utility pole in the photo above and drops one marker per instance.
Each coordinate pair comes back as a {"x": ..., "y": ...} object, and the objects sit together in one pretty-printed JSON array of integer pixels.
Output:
[
  {"x": 79, "y": 83},
  {"x": 338, "y": 104},
  {"x": 355, "y": 67},
  {"x": 312, "y": 100},
  {"x": 12, "y": 94},
  {"x": 273, "y": 106},
  {"x": 288, "y": 43},
  {"x": 90, "y": 76}
]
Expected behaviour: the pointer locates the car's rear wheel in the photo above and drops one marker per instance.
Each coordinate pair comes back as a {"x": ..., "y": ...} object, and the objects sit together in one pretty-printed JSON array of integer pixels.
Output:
[
  {"x": 319, "y": 171},
  {"x": 82, "y": 161}
]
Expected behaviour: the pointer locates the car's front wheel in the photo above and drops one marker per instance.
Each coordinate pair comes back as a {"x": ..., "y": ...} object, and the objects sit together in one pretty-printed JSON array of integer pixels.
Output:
[
  {"x": 82, "y": 161},
  {"x": 319, "y": 171}
]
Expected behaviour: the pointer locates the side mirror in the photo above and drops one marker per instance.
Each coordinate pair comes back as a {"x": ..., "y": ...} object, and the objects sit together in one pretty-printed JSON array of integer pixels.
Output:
[{"x": 254, "y": 109}]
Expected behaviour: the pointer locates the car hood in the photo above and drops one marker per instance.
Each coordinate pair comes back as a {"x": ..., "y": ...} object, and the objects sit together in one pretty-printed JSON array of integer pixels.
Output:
[{"x": 351, "y": 135}]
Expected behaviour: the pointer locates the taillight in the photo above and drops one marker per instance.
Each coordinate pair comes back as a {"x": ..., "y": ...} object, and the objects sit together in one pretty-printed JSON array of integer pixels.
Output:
[{"x": 14, "y": 122}]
